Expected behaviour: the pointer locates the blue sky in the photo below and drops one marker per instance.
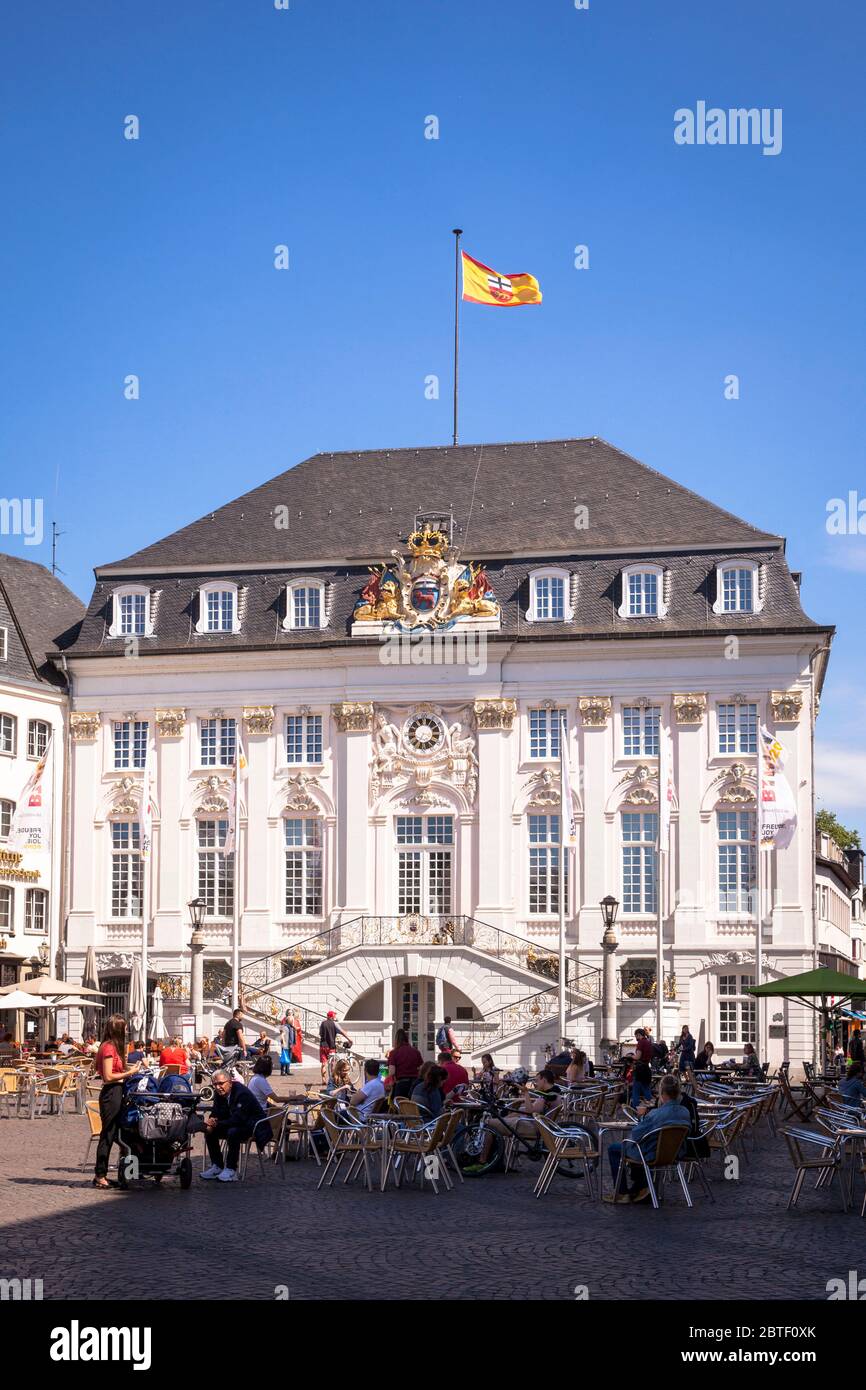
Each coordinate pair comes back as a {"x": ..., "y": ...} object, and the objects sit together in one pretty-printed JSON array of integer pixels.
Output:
[{"x": 306, "y": 127}]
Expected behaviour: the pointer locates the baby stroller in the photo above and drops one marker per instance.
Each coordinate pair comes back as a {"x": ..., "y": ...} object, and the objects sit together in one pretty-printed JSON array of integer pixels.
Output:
[{"x": 157, "y": 1123}]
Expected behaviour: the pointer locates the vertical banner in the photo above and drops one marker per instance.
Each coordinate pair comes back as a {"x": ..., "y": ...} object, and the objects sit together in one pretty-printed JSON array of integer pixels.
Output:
[
  {"x": 777, "y": 809},
  {"x": 31, "y": 823},
  {"x": 146, "y": 817},
  {"x": 666, "y": 789},
  {"x": 568, "y": 828}
]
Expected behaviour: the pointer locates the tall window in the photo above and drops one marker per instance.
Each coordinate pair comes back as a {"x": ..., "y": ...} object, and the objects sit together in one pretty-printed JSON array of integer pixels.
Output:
[
  {"x": 219, "y": 610},
  {"x": 304, "y": 605},
  {"x": 38, "y": 734},
  {"x": 8, "y": 726},
  {"x": 303, "y": 867},
  {"x": 7, "y": 811},
  {"x": 132, "y": 614},
  {"x": 215, "y": 869},
  {"x": 7, "y": 910},
  {"x": 639, "y": 879},
  {"x": 303, "y": 738},
  {"x": 424, "y": 864},
  {"x": 36, "y": 910},
  {"x": 737, "y": 590},
  {"x": 643, "y": 594},
  {"x": 218, "y": 741},
  {"x": 640, "y": 730},
  {"x": 738, "y": 728},
  {"x": 126, "y": 869},
  {"x": 544, "y": 866},
  {"x": 737, "y": 861},
  {"x": 130, "y": 743},
  {"x": 4, "y": 644},
  {"x": 737, "y": 1010},
  {"x": 549, "y": 598},
  {"x": 545, "y": 727}
]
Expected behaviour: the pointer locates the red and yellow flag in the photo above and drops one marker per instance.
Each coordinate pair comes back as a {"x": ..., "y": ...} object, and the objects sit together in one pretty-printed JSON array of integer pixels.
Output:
[{"x": 482, "y": 285}]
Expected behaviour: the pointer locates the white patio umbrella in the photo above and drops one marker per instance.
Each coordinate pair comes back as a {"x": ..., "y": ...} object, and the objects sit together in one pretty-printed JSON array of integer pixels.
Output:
[
  {"x": 47, "y": 984},
  {"x": 90, "y": 980},
  {"x": 19, "y": 999},
  {"x": 137, "y": 1006},
  {"x": 157, "y": 1027}
]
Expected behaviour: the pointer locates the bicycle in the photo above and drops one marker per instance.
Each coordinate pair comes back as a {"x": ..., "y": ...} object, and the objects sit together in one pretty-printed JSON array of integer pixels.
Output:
[
  {"x": 480, "y": 1150},
  {"x": 343, "y": 1052}
]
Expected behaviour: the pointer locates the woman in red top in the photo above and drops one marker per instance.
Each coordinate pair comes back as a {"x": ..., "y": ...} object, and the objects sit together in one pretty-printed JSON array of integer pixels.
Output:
[
  {"x": 174, "y": 1055},
  {"x": 111, "y": 1070}
]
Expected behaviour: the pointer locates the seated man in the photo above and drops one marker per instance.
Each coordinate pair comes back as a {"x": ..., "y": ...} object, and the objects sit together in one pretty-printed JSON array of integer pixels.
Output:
[
  {"x": 669, "y": 1111},
  {"x": 234, "y": 1117},
  {"x": 372, "y": 1090},
  {"x": 852, "y": 1088},
  {"x": 457, "y": 1075},
  {"x": 542, "y": 1098}
]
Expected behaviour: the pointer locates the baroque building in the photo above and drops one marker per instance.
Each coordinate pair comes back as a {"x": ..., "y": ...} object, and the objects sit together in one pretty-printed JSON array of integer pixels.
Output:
[{"x": 400, "y": 639}]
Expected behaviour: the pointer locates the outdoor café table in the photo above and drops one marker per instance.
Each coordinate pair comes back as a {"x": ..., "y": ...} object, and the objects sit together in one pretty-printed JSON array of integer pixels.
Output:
[
  {"x": 850, "y": 1138},
  {"x": 302, "y": 1105},
  {"x": 623, "y": 1126}
]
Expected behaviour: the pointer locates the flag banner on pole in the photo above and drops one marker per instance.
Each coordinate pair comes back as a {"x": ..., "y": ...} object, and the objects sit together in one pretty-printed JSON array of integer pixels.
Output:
[
  {"x": 666, "y": 789},
  {"x": 483, "y": 285},
  {"x": 777, "y": 809},
  {"x": 569, "y": 824},
  {"x": 31, "y": 823},
  {"x": 240, "y": 771},
  {"x": 146, "y": 822}
]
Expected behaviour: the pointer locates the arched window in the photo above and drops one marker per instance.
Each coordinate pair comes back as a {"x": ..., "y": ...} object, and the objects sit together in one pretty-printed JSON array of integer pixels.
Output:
[
  {"x": 218, "y": 608},
  {"x": 130, "y": 612},
  {"x": 643, "y": 592},
  {"x": 549, "y": 596},
  {"x": 305, "y": 605},
  {"x": 738, "y": 587}
]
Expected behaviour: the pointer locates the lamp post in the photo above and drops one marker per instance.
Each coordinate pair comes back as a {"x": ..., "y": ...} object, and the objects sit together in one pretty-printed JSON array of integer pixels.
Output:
[
  {"x": 43, "y": 953},
  {"x": 196, "y": 964},
  {"x": 609, "y": 908}
]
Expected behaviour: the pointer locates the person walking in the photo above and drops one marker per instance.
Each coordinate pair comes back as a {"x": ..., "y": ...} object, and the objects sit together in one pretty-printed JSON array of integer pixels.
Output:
[
  {"x": 298, "y": 1045},
  {"x": 287, "y": 1042},
  {"x": 328, "y": 1030},
  {"x": 686, "y": 1046},
  {"x": 112, "y": 1071}
]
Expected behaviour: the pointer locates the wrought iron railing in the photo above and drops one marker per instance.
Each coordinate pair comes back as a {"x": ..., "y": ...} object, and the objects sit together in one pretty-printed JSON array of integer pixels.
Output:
[
  {"x": 641, "y": 984},
  {"x": 447, "y": 929},
  {"x": 528, "y": 1012},
  {"x": 216, "y": 983}
]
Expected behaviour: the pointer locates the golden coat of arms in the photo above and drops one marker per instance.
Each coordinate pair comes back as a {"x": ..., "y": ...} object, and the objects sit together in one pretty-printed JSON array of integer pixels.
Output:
[{"x": 430, "y": 588}]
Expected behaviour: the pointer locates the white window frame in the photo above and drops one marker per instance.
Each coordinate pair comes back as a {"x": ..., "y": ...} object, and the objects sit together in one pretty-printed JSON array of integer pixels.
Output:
[
  {"x": 751, "y": 566},
  {"x": 128, "y": 854},
  {"x": 290, "y": 623},
  {"x": 134, "y": 726},
  {"x": 223, "y": 871},
  {"x": 13, "y": 728},
  {"x": 32, "y": 726},
  {"x": 8, "y": 816},
  {"x": 553, "y": 722},
  {"x": 740, "y": 720},
  {"x": 33, "y": 896},
  {"x": 221, "y": 737},
  {"x": 4, "y": 644},
  {"x": 130, "y": 591},
  {"x": 7, "y": 927},
  {"x": 437, "y": 843},
  {"x": 550, "y": 572},
  {"x": 645, "y": 713},
  {"x": 744, "y": 1008},
  {"x": 636, "y": 571},
  {"x": 312, "y": 739},
  {"x": 310, "y": 851},
  {"x": 218, "y": 586},
  {"x": 543, "y": 849},
  {"x": 745, "y": 850},
  {"x": 645, "y": 858}
]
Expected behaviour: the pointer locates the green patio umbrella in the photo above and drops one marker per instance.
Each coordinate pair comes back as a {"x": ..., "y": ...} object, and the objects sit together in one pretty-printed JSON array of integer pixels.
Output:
[{"x": 815, "y": 985}]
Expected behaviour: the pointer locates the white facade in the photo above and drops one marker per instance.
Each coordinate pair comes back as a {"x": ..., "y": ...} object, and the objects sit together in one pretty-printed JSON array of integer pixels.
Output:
[{"x": 370, "y": 792}]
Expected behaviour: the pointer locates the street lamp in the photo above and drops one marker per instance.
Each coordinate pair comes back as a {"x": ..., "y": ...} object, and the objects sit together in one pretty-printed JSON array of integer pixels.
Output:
[
  {"x": 44, "y": 954},
  {"x": 609, "y": 908},
  {"x": 196, "y": 964}
]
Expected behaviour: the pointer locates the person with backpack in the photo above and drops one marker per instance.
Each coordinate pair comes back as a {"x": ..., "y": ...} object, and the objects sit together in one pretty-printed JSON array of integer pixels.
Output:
[
  {"x": 446, "y": 1039},
  {"x": 287, "y": 1042},
  {"x": 328, "y": 1030}
]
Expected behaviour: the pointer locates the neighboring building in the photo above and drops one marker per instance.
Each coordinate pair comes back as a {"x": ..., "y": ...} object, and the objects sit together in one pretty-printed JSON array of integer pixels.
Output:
[
  {"x": 399, "y": 820},
  {"x": 838, "y": 905},
  {"x": 38, "y": 615}
]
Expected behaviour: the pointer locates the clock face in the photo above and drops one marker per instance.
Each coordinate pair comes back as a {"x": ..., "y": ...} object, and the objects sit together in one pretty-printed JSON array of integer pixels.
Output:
[{"x": 424, "y": 733}]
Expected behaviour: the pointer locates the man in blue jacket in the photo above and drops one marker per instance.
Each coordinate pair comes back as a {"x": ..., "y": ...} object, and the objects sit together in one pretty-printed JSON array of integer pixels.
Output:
[
  {"x": 234, "y": 1117},
  {"x": 668, "y": 1112}
]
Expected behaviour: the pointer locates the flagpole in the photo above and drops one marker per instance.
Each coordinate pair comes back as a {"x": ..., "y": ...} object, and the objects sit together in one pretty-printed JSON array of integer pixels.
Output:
[
  {"x": 759, "y": 876},
  {"x": 562, "y": 927},
  {"x": 145, "y": 832},
  {"x": 236, "y": 894},
  {"x": 458, "y": 232}
]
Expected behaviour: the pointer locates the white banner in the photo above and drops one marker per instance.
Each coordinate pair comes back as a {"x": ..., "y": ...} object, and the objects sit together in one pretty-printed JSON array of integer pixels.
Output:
[
  {"x": 240, "y": 771},
  {"x": 569, "y": 824},
  {"x": 31, "y": 823},
  {"x": 146, "y": 816},
  {"x": 777, "y": 809},
  {"x": 666, "y": 789}
]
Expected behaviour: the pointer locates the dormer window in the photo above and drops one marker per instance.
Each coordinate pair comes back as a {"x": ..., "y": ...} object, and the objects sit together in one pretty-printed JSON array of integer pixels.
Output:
[
  {"x": 218, "y": 608},
  {"x": 549, "y": 597},
  {"x": 643, "y": 592},
  {"x": 737, "y": 588},
  {"x": 305, "y": 605},
  {"x": 130, "y": 615}
]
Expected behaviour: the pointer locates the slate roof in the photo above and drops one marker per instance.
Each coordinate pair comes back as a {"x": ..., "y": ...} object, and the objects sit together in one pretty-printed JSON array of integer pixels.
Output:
[
  {"x": 507, "y": 499},
  {"x": 42, "y": 618}
]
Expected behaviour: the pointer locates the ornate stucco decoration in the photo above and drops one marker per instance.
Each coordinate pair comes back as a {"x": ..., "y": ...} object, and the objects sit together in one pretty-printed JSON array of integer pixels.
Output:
[
  {"x": 83, "y": 726},
  {"x": 426, "y": 744},
  {"x": 544, "y": 789},
  {"x": 127, "y": 801},
  {"x": 116, "y": 960},
  {"x": 690, "y": 708},
  {"x": 214, "y": 795},
  {"x": 495, "y": 714},
  {"x": 595, "y": 710},
  {"x": 431, "y": 588},
  {"x": 735, "y": 789},
  {"x": 354, "y": 716},
  {"x": 786, "y": 705},
  {"x": 170, "y": 723},
  {"x": 731, "y": 958},
  {"x": 424, "y": 797},
  {"x": 258, "y": 719},
  {"x": 297, "y": 796}
]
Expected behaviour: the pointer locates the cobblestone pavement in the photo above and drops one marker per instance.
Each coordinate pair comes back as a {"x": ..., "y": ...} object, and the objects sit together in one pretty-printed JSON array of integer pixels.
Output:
[{"x": 490, "y": 1237}]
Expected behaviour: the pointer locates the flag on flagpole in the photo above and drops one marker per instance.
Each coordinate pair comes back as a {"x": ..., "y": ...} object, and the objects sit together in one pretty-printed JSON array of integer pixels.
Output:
[
  {"x": 566, "y": 800},
  {"x": 666, "y": 789},
  {"x": 146, "y": 821},
  {"x": 483, "y": 285},
  {"x": 777, "y": 809},
  {"x": 31, "y": 823},
  {"x": 240, "y": 771}
]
